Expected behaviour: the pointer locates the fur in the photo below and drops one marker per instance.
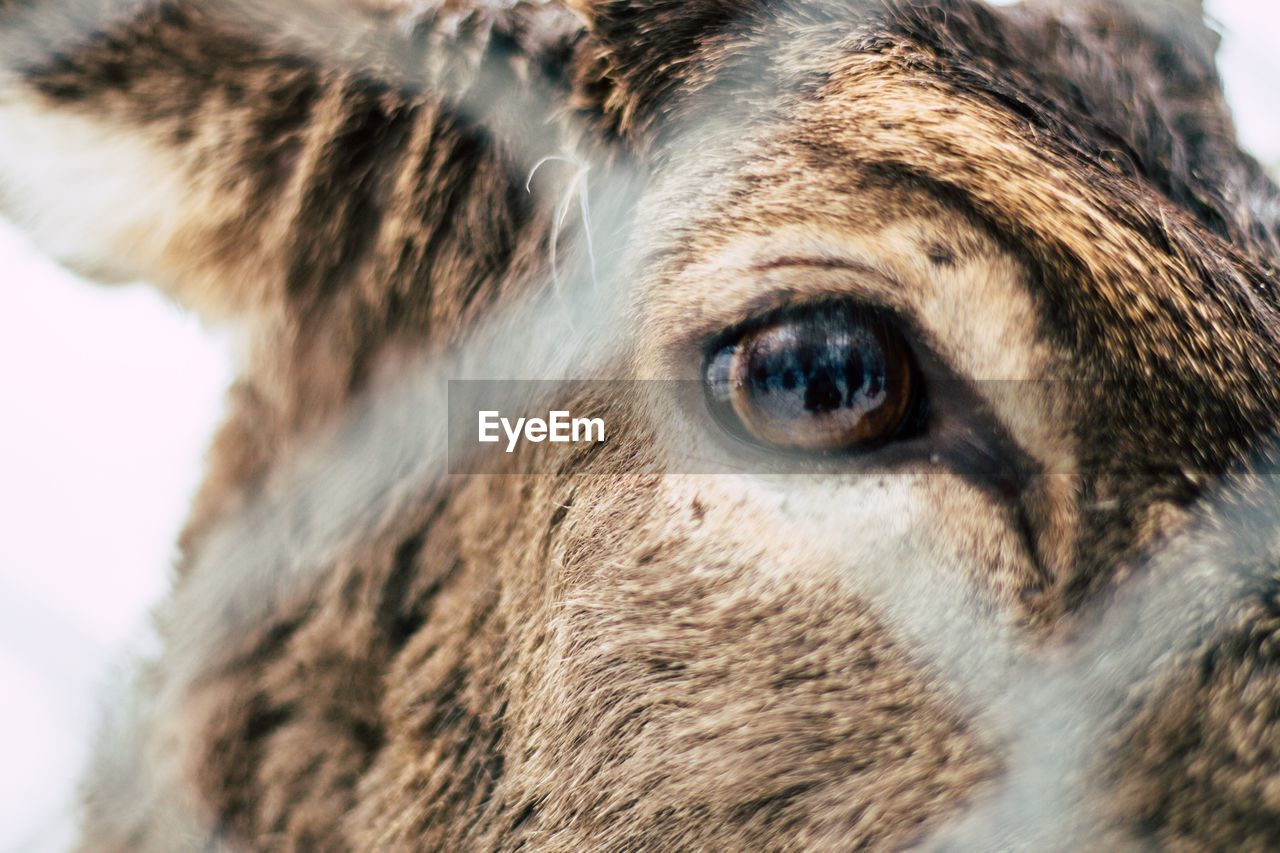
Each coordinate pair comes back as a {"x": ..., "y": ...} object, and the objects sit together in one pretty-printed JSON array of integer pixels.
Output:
[{"x": 367, "y": 652}]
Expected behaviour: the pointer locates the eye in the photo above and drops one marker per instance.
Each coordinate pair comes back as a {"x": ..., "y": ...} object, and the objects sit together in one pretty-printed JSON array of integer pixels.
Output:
[{"x": 824, "y": 378}]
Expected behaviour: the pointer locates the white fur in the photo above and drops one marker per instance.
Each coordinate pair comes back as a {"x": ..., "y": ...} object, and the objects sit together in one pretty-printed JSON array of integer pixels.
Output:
[{"x": 100, "y": 199}]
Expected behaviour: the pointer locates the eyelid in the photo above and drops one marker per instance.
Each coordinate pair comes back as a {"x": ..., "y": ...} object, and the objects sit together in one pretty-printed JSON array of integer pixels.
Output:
[
  {"x": 789, "y": 308},
  {"x": 737, "y": 291},
  {"x": 816, "y": 261},
  {"x": 773, "y": 305}
]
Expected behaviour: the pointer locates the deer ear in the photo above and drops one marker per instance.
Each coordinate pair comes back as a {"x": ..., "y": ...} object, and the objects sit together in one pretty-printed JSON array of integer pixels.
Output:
[
  {"x": 642, "y": 52},
  {"x": 1183, "y": 21},
  {"x": 1180, "y": 23},
  {"x": 1145, "y": 71}
]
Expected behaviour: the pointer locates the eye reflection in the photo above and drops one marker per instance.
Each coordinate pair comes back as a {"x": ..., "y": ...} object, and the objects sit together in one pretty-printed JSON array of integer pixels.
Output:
[{"x": 824, "y": 378}]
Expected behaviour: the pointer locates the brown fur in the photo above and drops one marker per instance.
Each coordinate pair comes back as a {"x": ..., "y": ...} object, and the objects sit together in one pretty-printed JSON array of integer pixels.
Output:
[{"x": 606, "y": 659}]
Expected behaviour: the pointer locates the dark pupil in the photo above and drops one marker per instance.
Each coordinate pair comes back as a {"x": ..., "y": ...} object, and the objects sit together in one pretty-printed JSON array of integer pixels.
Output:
[{"x": 818, "y": 368}]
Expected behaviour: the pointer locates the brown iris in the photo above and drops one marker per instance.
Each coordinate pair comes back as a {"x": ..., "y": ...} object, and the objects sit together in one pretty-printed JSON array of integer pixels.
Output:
[{"x": 823, "y": 378}]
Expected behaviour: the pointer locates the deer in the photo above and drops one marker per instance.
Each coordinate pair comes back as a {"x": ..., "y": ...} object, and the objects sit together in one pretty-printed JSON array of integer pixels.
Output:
[{"x": 933, "y": 346}]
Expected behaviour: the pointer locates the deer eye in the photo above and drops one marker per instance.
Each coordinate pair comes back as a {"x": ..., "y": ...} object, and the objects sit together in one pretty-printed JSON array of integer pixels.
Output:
[{"x": 822, "y": 378}]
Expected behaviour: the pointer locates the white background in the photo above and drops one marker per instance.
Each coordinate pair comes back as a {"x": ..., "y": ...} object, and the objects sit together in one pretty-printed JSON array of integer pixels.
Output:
[{"x": 109, "y": 398}]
